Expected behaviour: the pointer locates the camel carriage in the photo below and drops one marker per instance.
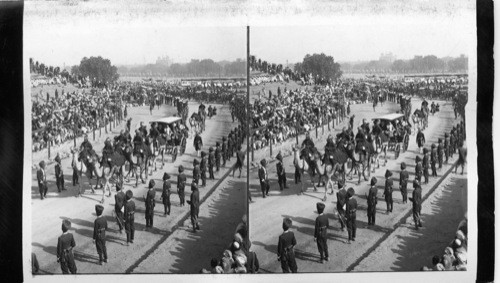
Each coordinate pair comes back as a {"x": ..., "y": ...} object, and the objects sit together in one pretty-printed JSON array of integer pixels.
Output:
[{"x": 171, "y": 141}]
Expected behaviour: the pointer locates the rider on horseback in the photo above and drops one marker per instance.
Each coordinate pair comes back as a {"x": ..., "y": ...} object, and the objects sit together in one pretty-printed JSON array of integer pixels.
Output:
[
  {"x": 86, "y": 144},
  {"x": 308, "y": 143}
]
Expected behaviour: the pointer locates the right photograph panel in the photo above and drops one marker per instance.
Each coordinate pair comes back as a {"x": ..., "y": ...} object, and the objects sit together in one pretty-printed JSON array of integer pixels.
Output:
[{"x": 358, "y": 146}]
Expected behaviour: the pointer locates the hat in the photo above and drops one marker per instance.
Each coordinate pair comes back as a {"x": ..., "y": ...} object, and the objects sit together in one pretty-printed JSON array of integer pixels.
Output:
[
  {"x": 166, "y": 176},
  {"x": 433, "y": 145},
  {"x": 425, "y": 150},
  {"x": 194, "y": 186},
  {"x": 203, "y": 154},
  {"x": 460, "y": 235},
  {"x": 129, "y": 194},
  {"x": 263, "y": 162},
  {"x": 350, "y": 192},
  {"x": 320, "y": 207},
  {"x": 373, "y": 181},
  {"x": 42, "y": 164},
  {"x": 238, "y": 238},
  {"x": 66, "y": 224},
  {"x": 388, "y": 173},
  {"x": 340, "y": 184},
  {"x": 57, "y": 159},
  {"x": 279, "y": 157},
  {"x": 416, "y": 183},
  {"x": 287, "y": 223},
  {"x": 181, "y": 168},
  {"x": 98, "y": 209},
  {"x": 151, "y": 184},
  {"x": 417, "y": 159},
  {"x": 195, "y": 162},
  {"x": 211, "y": 149},
  {"x": 403, "y": 166}
]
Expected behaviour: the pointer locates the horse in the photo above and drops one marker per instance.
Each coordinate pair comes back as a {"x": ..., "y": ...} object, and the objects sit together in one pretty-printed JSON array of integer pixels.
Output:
[
  {"x": 140, "y": 157},
  {"x": 381, "y": 145},
  {"x": 152, "y": 143},
  {"x": 366, "y": 153}
]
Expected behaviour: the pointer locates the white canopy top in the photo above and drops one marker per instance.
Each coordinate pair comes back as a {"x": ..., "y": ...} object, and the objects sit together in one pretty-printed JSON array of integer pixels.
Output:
[
  {"x": 390, "y": 117},
  {"x": 166, "y": 120}
]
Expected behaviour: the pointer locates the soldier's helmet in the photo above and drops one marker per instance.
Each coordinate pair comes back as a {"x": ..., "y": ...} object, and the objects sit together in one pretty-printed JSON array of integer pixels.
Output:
[
  {"x": 416, "y": 184},
  {"x": 320, "y": 207},
  {"x": 211, "y": 149},
  {"x": 263, "y": 162},
  {"x": 99, "y": 209},
  {"x": 181, "y": 168},
  {"x": 403, "y": 165},
  {"x": 151, "y": 184},
  {"x": 388, "y": 173},
  {"x": 417, "y": 159},
  {"x": 166, "y": 176},
  {"x": 373, "y": 181},
  {"x": 350, "y": 192},
  {"x": 129, "y": 194},
  {"x": 66, "y": 224},
  {"x": 195, "y": 162}
]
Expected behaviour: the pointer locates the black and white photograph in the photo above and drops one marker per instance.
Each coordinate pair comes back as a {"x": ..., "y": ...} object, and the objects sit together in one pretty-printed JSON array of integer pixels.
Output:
[{"x": 239, "y": 140}]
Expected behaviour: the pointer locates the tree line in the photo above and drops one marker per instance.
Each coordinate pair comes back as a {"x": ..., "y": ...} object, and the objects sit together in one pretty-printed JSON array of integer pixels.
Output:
[
  {"x": 194, "y": 68},
  {"x": 418, "y": 64}
]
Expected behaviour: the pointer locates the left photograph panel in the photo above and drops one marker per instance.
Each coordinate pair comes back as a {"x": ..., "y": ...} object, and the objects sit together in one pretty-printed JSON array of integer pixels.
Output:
[{"x": 136, "y": 128}]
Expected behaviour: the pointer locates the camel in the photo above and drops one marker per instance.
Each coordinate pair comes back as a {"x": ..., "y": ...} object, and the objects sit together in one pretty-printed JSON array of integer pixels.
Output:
[{"x": 311, "y": 164}]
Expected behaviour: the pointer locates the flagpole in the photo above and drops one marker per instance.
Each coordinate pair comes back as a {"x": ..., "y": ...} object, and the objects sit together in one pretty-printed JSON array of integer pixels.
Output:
[{"x": 247, "y": 197}]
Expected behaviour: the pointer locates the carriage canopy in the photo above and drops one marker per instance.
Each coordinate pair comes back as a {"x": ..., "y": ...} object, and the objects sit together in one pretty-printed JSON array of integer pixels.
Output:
[
  {"x": 166, "y": 120},
  {"x": 390, "y": 117}
]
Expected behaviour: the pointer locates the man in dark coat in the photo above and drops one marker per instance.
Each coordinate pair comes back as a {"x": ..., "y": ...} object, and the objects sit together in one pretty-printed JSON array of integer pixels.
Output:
[
  {"x": 350, "y": 213},
  {"x": 446, "y": 147},
  {"x": 280, "y": 170},
  {"x": 286, "y": 243},
  {"x": 420, "y": 140},
  {"x": 217, "y": 156},
  {"x": 196, "y": 171},
  {"x": 264, "y": 179},
  {"x": 99, "y": 238},
  {"x": 341, "y": 201},
  {"x": 194, "y": 205},
  {"x": 59, "y": 174},
  {"x": 165, "y": 195},
  {"x": 426, "y": 165},
  {"x": 149, "y": 200},
  {"x": 198, "y": 143},
  {"x": 372, "y": 201},
  {"x": 388, "y": 190},
  {"x": 230, "y": 146},
  {"x": 203, "y": 169},
  {"x": 224, "y": 152},
  {"x": 320, "y": 232},
  {"x": 434, "y": 158},
  {"x": 65, "y": 245},
  {"x": 41, "y": 176},
  {"x": 419, "y": 169},
  {"x": 416, "y": 200},
  {"x": 86, "y": 144},
  {"x": 404, "y": 176},
  {"x": 181, "y": 184},
  {"x": 240, "y": 158},
  {"x": 129, "y": 217},
  {"x": 308, "y": 142},
  {"x": 119, "y": 202},
  {"x": 211, "y": 163},
  {"x": 440, "y": 153}
]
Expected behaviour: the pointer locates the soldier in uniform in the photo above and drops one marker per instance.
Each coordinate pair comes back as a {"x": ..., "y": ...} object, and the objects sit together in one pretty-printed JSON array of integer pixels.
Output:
[
  {"x": 230, "y": 146},
  {"x": 263, "y": 177},
  {"x": 211, "y": 163},
  {"x": 452, "y": 142},
  {"x": 280, "y": 170},
  {"x": 198, "y": 143},
  {"x": 419, "y": 170},
  {"x": 99, "y": 238},
  {"x": 86, "y": 144},
  {"x": 320, "y": 232},
  {"x": 224, "y": 151},
  {"x": 129, "y": 217},
  {"x": 416, "y": 200},
  {"x": 350, "y": 213},
  {"x": 341, "y": 200},
  {"x": 42, "y": 180},
  {"x": 286, "y": 243},
  {"x": 59, "y": 174},
  {"x": 446, "y": 147},
  {"x": 165, "y": 195},
  {"x": 196, "y": 171},
  {"x": 119, "y": 202},
  {"x": 425, "y": 165},
  {"x": 440, "y": 153},
  {"x": 194, "y": 206},
  {"x": 308, "y": 142},
  {"x": 203, "y": 169},
  {"x": 75, "y": 172},
  {"x": 434, "y": 158},
  {"x": 65, "y": 245},
  {"x": 388, "y": 191},
  {"x": 217, "y": 156},
  {"x": 372, "y": 201},
  {"x": 181, "y": 184},
  {"x": 420, "y": 140},
  {"x": 240, "y": 158},
  {"x": 149, "y": 199}
]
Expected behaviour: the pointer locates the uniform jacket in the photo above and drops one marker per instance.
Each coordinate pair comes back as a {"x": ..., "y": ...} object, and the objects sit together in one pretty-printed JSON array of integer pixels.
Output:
[
  {"x": 403, "y": 177},
  {"x": 321, "y": 226},
  {"x": 341, "y": 198},
  {"x": 286, "y": 242},
  {"x": 280, "y": 169},
  {"x": 129, "y": 211},
  {"x": 41, "y": 177},
  {"x": 263, "y": 174},
  {"x": 195, "y": 202},
  {"x": 372, "y": 196},
  {"x": 150, "y": 199},
  {"x": 119, "y": 200},
  {"x": 388, "y": 187},
  {"x": 351, "y": 207},
  {"x": 100, "y": 226},
  {"x": 65, "y": 242},
  {"x": 181, "y": 181},
  {"x": 165, "y": 194}
]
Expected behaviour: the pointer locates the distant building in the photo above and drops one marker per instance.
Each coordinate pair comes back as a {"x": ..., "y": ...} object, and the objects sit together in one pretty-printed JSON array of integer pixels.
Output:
[
  {"x": 387, "y": 57},
  {"x": 165, "y": 60}
]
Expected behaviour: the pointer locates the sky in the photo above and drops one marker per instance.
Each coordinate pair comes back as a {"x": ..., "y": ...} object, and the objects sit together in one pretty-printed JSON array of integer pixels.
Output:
[{"x": 138, "y": 33}]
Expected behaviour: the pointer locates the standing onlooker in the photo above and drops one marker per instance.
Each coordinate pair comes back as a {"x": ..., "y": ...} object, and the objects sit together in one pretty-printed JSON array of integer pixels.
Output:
[
  {"x": 341, "y": 201},
  {"x": 65, "y": 245},
  {"x": 203, "y": 169},
  {"x": 194, "y": 203},
  {"x": 388, "y": 190},
  {"x": 59, "y": 174},
  {"x": 286, "y": 243},
  {"x": 372, "y": 201},
  {"x": 264, "y": 179},
  {"x": 99, "y": 238},
  {"x": 280, "y": 170},
  {"x": 320, "y": 232},
  {"x": 119, "y": 202},
  {"x": 181, "y": 184},
  {"x": 416, "y": 200},
  {"x": 240, "y": 158},
  {"x": 149, "y": 199},
  {"x": 165, "y": 195},
  {"x": 350, "y": 212},
  {"x": 129, "y": 217},
  {"x": 42, "y": 180}
]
